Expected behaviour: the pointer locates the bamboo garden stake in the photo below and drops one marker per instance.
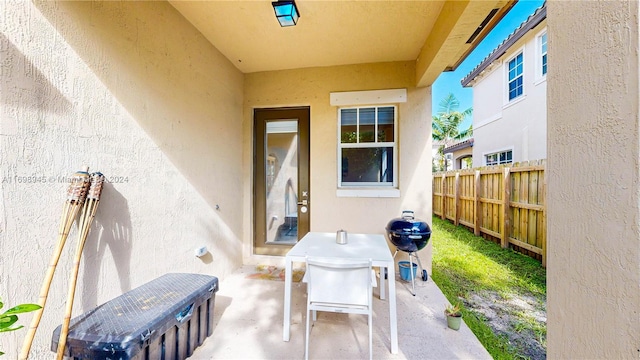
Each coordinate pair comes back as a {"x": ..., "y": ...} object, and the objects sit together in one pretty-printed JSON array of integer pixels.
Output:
[
  {"x": 84, "y": 224},
  {"x": 76, "y": 195}
]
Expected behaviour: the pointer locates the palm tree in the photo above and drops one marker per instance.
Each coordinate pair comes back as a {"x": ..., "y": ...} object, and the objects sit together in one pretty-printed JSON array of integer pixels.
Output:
[{"x": 445, "y": 127}]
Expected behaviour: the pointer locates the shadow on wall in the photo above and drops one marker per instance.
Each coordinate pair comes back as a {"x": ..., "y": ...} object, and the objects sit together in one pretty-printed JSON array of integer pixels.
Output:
[
  {"x": 112, "y": 229},
  {"x": 183, "y": 93},
  {"x": 178, "y": 88},
  {"x": 23, "y": 85}
]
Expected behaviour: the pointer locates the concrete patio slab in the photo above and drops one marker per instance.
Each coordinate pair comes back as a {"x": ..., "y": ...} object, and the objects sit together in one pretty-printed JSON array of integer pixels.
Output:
[{"x": 249, "y": 315}]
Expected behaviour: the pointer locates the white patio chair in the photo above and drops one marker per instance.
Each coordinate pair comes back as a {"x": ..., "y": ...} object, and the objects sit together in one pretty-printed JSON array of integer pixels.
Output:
[{"x": 341, "y": 286}]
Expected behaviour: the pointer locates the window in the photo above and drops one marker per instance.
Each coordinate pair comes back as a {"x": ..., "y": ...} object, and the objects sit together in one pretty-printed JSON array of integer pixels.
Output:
[
  {"x": 367, "y": 147},
  {"x": 543, "y": 54},
  {"x": 516, "y": 84},
  {"x": 502, "y": 157}
]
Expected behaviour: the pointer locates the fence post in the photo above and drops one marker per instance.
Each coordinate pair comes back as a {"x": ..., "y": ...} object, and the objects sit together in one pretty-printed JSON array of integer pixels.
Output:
[
  {"x": 476, "y": 206},
  {"x": 506, "y": 198},
  {"x": 456, "y": 201},
  {"x": 444, "y": 196}
]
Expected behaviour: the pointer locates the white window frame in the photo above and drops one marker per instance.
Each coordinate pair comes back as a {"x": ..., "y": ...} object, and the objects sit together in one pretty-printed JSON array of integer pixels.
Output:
[
  {"x": 498, "y": 152},
  {"x": 368, "y": 186},
  {"x": 361, "y": 99},
  {"x": 539, "y": 54},
  {"x": 506, "y": 77}
]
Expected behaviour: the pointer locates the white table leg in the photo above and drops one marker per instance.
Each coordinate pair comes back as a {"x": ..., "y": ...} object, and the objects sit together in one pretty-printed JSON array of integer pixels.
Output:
[
  {"x": 393, "y": 315},
  {"x": 286, "y": 330},
  {"x": 382, "y": 281}
]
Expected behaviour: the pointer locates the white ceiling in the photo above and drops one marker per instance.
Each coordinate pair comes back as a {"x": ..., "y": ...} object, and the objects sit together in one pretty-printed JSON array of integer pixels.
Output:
[{"x": 333, "y": 32}]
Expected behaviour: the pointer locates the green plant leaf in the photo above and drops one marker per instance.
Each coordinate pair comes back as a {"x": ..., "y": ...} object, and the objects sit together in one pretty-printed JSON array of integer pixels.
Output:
[
  {"x": 7, "y": 320},
  {"x": 23, "y": 308},
  {"x": 11, "y": 329},
  {"x": 1, "y": 353}
]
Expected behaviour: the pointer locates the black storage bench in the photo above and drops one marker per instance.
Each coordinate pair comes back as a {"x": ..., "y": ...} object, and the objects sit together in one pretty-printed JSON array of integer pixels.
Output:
[{"x": 166, "y": 318}]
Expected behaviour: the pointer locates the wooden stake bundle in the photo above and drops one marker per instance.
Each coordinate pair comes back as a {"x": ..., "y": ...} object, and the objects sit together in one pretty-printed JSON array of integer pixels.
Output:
[
  {"x": 84, "y": 224},
  {"x": 76, "y": 195}
]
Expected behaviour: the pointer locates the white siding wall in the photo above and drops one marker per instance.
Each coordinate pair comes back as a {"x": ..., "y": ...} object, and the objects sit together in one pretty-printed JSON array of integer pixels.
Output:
[{"x": 519, "y": 125}]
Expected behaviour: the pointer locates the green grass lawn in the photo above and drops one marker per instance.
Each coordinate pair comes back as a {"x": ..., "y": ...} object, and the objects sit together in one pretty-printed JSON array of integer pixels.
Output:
[{"x": 502, "y": 292}]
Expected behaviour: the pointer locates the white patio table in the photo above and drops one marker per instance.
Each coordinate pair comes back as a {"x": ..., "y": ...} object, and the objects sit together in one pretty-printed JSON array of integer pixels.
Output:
[{"x": 359, "y": 246}]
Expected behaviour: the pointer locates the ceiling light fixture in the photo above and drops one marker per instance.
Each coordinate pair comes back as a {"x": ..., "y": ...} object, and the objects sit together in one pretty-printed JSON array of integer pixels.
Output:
[{"x": 286, "y": 12}]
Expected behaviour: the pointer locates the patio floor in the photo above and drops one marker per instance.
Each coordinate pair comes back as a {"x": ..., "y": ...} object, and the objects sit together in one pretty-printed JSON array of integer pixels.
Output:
[{"x": 248, "y": 325}]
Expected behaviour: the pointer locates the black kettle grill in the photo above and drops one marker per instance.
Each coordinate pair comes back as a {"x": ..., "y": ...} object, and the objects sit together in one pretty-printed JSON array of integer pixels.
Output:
[{"x": 409, "y": 235}]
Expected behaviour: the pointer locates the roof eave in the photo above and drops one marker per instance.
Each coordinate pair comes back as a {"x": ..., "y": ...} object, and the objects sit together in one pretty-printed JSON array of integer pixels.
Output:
[{"x": 530, "y": 24}]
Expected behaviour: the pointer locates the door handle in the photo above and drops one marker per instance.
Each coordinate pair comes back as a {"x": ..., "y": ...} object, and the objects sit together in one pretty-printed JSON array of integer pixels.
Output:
[{"x": 304, "y": 202}]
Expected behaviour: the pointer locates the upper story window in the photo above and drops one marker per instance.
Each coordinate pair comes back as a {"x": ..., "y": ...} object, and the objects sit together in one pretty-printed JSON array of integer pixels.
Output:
[
  {"x": 515, "y": 76},
  {"x": 502, "y": 157},
  {"x": 367, "y": 149},
  {"x": 543, "y": 53}
]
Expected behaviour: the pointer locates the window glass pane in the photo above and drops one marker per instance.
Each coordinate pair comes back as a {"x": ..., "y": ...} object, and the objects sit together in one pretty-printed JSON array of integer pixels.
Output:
[
  {"x": 515, "y": 67},
  {"x": 503, "y": 157},
  {"x": 512, "y": 90},
  {"x": 348, "y": 125},
  {"x": 544, "y": 64},
  {"x": 367, "y": 125},
  {"x": 385, "y": 124},
  {"x": 515, "y": 88},
  {"x": 512, "y": 73},
  {"x": 492, "y": 159},
  {"x": 367, "y": 165}
]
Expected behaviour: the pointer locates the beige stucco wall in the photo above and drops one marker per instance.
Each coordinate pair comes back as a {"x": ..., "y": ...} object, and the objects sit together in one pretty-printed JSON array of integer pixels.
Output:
[
  {"x": 593, "y": 276},
  {"x": 519, "y": 125},
  {"x": 311, "y": 87},
  {"x": 132, "y": 90}
]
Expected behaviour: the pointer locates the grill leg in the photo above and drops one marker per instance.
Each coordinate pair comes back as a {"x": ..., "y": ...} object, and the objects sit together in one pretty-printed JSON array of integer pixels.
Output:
[{"x": 413, "y": 278}]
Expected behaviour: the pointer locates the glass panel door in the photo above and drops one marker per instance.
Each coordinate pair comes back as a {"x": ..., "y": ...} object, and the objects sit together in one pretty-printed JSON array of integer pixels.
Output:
[{"x": 281, "y": 179}]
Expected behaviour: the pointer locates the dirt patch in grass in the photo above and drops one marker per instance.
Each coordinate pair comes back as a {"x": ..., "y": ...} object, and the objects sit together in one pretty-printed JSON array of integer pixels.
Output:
[{"x": 506, "y": 317}]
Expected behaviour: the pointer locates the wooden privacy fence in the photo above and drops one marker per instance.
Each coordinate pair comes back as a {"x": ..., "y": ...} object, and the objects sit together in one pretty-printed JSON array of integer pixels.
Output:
[{"x": 504, "y": 203}]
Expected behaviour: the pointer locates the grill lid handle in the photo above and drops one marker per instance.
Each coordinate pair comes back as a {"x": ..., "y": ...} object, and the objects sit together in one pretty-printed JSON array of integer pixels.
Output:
[{"x": 407, "y": 214}]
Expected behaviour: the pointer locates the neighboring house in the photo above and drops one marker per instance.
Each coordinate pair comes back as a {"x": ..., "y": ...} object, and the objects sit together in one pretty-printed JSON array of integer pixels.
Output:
[
  {"x": 510, "y": 97},
  {"x": 459, "y": 155}
]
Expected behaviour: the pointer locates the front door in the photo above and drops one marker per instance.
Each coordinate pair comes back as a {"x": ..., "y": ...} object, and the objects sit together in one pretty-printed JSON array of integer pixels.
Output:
[{"x": 281, "y": 179}]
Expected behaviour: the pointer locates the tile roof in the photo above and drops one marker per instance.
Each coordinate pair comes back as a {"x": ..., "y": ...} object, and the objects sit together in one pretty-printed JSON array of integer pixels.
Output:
[{"x": 458, "y": 146}]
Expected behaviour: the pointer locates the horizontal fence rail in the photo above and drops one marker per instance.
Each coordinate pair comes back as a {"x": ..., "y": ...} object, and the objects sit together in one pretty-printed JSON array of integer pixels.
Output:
[{"x": 504, "y": 203}]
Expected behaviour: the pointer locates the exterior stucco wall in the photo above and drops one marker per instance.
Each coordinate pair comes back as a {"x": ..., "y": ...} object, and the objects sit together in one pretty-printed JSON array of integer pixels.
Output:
[
  {"x": 519, "y": 125},
  {"x": 593, "y": 294},
  {"x": 488, "y": 97},
  {"x": 311, "y": 87},
  {"x": 130, "y": 89}
]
